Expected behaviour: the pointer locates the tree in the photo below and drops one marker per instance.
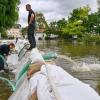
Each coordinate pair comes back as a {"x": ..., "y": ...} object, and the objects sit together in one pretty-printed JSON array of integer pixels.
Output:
[
  {"x": 8, "y": 14},
  {"x": 41, "y": 22},
  {"x": 56, "y": 27},
  {"x": 60, "y": 25},
  {"x": 74, "y": 28},
  {"x": 51, "y": 29},
  {"x": 98, "y": 21},
  {"x": 79, "y": 13},
  {"x": 92, "y": 23},
  {"x": 75, "y": 25}
]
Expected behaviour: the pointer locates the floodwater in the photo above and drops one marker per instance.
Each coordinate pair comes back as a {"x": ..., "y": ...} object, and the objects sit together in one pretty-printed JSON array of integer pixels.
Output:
[{"x": 80, "y": 53}]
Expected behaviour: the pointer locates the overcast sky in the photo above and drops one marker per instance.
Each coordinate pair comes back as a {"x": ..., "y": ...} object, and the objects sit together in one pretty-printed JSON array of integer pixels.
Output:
[{"x": 53, "y": 9}]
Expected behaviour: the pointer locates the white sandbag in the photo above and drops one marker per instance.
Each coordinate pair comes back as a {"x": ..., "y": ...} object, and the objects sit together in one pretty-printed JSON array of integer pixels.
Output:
[
  {"x": 22, "y": 92},
  {"x": 20, "y": 44},
  {"x": 42, "y": 88},
  {"x": 21, "y": 64},
  {"x": 68, "y": 87},
  {"x": 35, "y": 55},
  {"x": 12, "y": 59}
]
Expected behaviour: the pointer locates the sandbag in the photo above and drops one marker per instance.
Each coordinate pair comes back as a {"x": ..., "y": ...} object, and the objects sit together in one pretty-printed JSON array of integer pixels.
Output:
[
  {"x": 68, "y": 87},
  {"x": 49, "y": 56},
  {"x": 23, "y": 70},
  {"x": 35, "y": 56},
  {"x": 22, "y": 92},
  {"x": 12, "y": 59}
]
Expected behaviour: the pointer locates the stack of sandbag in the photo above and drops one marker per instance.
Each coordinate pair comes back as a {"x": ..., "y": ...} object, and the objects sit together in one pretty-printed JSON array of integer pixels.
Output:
[{"x": 44, "y": 86}]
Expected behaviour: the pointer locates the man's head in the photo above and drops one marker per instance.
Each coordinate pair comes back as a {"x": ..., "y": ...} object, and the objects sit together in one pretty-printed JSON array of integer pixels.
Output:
[
  {"x": 28, "y": 7},
  {"x": 11, "y": 46}
]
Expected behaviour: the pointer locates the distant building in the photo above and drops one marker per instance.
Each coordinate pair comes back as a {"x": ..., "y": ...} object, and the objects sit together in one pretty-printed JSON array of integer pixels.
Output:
[
  {"x": 15, "y": 31},
  {"x": 40, "y": 36}
]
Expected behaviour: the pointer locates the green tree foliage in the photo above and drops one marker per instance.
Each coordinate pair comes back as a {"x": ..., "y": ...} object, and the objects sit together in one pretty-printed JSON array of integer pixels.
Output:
[
  {"x": 92, "y": 23},
  {"x": 51, "y": 29},
  {"x": 56, "y": 27},
  {"x": 98, "y": 21},
  {"x": 81, "y": 22},
  {"x": 79, "y": 13},
  {"x": 60, "y": 25},
  {"x": 41, "y": 22},
  {"x": 8, "y": 13},
  {"x": 73, "y": 26}
]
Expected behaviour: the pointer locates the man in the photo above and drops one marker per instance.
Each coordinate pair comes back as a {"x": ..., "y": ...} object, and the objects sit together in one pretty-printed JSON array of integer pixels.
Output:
[
  {"x": 31, "y": 26},
  {"x": 4, "y": 51}
]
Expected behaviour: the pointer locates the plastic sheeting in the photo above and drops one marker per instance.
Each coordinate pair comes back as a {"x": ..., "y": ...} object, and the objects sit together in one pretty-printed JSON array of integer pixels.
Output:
[
  {"x": 12, "y": 59},
  {"x": 23, "y": 51},
  {"x": 22, "y": 92},
  {"x": 68, "y": 87},
  {"x": 35, "y": 56},
  {"x": 21, "y": 63},
  {"x": 20, "y": 44},
  {"x": 23, "y": 70},
  {"x": 50, "y": 55}
]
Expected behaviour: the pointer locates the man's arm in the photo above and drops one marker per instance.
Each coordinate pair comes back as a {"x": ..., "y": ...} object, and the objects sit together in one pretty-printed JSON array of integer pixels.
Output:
[{"x": 32, "y": 18}]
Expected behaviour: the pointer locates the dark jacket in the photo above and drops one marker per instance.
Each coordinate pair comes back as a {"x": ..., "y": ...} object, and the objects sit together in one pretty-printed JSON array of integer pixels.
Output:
[
  {"x": 4, "y": 50},
  {"x": 29, "y": 16}
]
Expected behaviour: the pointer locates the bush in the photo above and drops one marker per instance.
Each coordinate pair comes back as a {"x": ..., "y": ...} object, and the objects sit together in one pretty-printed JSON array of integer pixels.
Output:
[{"x": 88, "y": 38}]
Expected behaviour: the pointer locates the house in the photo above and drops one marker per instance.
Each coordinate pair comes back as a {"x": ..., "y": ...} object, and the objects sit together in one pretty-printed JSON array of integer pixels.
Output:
[{"x": 14, "y": 31}]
